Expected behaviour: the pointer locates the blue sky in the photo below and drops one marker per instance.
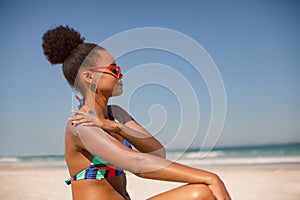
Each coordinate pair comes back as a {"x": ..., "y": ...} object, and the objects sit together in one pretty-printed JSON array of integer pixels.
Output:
[{"x": 255, "y": 45}]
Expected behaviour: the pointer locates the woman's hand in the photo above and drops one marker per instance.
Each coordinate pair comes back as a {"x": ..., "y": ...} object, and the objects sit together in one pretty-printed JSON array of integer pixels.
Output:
[
  {"x": 86, "y": 119},
  {"x": 218, "y": 189}
]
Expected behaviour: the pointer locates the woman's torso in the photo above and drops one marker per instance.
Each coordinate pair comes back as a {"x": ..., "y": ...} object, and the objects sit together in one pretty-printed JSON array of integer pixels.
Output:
[{"x": 78, "y": 159}]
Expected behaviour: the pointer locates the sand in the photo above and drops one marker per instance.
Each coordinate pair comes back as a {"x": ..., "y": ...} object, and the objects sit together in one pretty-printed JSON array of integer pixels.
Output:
[{"x": 263, "y": 182}]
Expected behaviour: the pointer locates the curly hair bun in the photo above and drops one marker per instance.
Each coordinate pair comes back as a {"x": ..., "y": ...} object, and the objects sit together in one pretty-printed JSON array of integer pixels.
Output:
[{"x": 59, "y": 42}]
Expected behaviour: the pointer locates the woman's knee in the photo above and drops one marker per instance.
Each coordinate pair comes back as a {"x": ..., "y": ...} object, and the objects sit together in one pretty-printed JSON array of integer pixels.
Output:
[{"x": 200, "y": 192}]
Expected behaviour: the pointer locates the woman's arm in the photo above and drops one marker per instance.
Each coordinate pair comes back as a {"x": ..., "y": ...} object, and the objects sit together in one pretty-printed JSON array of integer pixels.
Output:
[
  {"x": 101, "y": 144},
  {"x": 139, "y": 137}
]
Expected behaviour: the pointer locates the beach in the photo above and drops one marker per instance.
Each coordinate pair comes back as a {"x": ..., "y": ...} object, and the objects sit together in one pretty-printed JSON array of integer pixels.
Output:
[{"x": 244, "y": 182}]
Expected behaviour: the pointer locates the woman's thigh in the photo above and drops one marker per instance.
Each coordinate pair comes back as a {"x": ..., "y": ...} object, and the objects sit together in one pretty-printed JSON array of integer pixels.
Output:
[
  {"x": 94, "y": 190},
  {"x": 188, "y": 192}
]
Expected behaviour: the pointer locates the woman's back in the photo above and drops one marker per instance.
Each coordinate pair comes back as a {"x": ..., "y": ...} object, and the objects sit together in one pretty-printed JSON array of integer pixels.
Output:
[{"x": 79, "y": 159}]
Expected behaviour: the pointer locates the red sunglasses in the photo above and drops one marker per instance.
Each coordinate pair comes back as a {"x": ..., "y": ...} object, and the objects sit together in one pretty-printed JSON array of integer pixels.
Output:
[{"x": 116, "y": 70}]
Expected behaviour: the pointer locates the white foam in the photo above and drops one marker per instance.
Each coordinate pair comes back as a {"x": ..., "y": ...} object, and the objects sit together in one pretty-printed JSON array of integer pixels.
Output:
[
  {"x": 241, "y": 161},
  {"x": 8, "y": 159}
]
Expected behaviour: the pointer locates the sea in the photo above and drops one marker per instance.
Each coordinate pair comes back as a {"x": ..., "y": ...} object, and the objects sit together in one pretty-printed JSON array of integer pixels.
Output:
[{"x": 239, "y": 155}]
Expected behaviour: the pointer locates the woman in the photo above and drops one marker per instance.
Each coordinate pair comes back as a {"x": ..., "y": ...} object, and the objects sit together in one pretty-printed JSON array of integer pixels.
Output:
[{"x": 97, "y": 136}]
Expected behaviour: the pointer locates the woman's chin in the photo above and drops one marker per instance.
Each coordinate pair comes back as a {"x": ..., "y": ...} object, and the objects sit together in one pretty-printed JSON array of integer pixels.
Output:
[{"x": 117, "y": 92}]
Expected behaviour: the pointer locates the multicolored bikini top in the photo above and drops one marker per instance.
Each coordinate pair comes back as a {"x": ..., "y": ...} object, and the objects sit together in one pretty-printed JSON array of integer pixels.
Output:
[{"x": 98, "y": 169}]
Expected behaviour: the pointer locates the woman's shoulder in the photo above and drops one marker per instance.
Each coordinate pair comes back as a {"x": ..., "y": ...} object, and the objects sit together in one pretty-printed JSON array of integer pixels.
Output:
[
  {"x": 119, "y": 113},
  {"x": 70, "y": 129},
  {"x": 115, "y": 108}
]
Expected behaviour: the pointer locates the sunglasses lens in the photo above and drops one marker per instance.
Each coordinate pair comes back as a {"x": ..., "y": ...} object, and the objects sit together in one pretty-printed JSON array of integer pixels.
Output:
[{"x": 115, "y": 71}]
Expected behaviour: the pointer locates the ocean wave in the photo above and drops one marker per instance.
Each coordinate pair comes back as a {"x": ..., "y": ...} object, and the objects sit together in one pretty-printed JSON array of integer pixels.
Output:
[
  {"x": 9, "y": 159},
  {"x": 242, "y": 161},
  {"x": 204, "y": 154},
  {"x": 48, "y": 160}
]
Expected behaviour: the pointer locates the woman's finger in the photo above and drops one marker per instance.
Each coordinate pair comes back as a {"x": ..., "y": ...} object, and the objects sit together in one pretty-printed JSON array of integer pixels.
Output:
[
  {"x": 80, "y": 121},
  {"x": 76, "y": 117},
  {"x": 78, "y": 112},
  {"x": 88, "y": 124}
]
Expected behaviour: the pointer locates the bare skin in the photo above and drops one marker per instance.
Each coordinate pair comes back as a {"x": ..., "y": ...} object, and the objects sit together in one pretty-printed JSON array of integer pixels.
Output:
[
  {"x": 77, "y": 159},
  {"x": 200, "y": 184}
]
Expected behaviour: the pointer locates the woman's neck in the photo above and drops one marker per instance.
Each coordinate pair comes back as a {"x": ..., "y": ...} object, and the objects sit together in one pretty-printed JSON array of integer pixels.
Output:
[{"x": 98, "y": 104}]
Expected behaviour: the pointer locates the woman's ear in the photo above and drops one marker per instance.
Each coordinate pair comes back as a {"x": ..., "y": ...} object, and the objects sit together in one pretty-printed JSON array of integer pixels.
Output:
[{"x": 87, "y": 77}]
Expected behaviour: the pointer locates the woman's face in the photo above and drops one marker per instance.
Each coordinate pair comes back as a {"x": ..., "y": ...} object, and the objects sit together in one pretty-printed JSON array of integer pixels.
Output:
[{"x": 106, "y": 75}]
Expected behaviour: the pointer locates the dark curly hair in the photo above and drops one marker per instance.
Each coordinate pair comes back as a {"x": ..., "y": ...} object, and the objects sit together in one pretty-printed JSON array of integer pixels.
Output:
[{"x": 64, "y": 45}]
